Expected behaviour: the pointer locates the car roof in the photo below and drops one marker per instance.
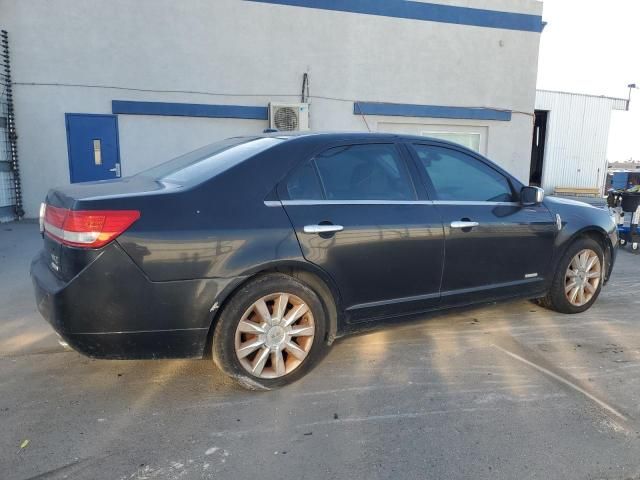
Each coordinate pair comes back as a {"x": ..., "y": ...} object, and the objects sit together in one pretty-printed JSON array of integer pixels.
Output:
[{"x": 355, "y": 136}]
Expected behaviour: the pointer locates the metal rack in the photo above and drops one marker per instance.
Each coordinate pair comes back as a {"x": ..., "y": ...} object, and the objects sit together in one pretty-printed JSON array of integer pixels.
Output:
[{"x": 10, "y": 188}]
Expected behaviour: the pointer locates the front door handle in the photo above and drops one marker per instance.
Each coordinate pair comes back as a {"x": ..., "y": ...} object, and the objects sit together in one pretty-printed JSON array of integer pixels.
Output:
[
  {"x": 323, "y": 228},
  {"x": 463, "y": 224}
]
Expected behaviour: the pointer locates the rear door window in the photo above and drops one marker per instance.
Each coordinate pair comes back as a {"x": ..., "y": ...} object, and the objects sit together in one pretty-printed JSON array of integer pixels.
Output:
[
  {"x": 304, "y": 183},
  {"x": 364, "y": 172}
]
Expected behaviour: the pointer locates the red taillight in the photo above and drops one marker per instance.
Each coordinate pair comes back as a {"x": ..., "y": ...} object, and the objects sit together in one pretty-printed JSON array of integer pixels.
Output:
[{"x": 87, "y": 228}]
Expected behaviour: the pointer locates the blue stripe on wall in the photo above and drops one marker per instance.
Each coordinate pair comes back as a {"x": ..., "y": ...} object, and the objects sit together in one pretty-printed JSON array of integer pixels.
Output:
[
  {"x": 189, "y": 110},
  {"x": 424, "y": 11},
  {"x": 431, "y": 111}
]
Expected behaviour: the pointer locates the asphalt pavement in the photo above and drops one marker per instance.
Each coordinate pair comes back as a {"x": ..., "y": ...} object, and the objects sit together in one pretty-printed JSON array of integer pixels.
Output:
[{"x": 509, "y": 391}]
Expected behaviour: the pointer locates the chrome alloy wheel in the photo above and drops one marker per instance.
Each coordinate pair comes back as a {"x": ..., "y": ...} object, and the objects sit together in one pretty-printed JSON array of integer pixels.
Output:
[
  {"x": 274, "y": 335},
  {"x": 582, "y": 278}
]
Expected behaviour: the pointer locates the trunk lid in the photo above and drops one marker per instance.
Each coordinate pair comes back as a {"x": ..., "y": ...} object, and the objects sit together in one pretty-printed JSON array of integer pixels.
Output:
[{"x": 71, "y": 196}]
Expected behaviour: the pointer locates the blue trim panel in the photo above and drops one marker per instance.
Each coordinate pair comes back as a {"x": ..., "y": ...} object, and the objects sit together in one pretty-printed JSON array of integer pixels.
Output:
[
  {"x": 430, "y": 111},
  {"x": 189, "y": 110},
  {"x": 431, "y": 12}
]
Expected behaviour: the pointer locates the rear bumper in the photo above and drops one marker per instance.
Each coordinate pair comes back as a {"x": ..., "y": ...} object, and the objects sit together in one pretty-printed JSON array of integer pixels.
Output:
[{"x": 112, "y": 310}]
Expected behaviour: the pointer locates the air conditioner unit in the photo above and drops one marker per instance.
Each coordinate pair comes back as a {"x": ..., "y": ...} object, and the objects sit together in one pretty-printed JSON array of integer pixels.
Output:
[{"x": 289, "y": 117}]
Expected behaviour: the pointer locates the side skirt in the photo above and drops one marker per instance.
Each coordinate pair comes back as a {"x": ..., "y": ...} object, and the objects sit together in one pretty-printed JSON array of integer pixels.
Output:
[{"x": 186, "y": 343}]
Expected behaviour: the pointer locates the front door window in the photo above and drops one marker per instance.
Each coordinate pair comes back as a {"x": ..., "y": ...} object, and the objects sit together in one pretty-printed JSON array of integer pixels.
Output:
[{"x": 457, "y": 176}]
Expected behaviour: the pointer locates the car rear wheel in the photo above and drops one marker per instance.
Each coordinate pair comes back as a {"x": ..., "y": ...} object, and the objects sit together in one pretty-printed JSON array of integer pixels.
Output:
[
  {"x": 271, "y": 333},
  {"x": 579, "y": 278}
]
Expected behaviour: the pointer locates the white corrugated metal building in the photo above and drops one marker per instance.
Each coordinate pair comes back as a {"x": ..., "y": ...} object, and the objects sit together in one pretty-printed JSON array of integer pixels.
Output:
[{"x": 570, "y": 139}]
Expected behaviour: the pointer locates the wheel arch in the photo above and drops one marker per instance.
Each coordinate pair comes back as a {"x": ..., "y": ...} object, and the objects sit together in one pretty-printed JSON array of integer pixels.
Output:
[
  {"x": 306, "y": 273},
  {"x": 599, "y": 235}
]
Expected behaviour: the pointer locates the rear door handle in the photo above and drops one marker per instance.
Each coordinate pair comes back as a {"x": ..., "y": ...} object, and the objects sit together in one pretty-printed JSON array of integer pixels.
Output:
[
  {"x": 323, "y": 228},
  {"x": 461, "y": 224}
]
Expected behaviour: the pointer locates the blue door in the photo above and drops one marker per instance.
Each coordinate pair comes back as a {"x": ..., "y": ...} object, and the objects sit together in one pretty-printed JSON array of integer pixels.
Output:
[{"x": 92, "y": 142}]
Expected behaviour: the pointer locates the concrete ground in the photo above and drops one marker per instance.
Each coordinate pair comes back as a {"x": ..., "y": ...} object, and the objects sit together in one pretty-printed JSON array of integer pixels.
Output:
[{"x": 507, "y": 391}]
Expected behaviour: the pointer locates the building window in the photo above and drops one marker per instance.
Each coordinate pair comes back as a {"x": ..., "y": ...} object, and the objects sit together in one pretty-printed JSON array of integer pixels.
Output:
[
  {"x": 97, "y": 152},
  {"x": 466, "y": 139}
]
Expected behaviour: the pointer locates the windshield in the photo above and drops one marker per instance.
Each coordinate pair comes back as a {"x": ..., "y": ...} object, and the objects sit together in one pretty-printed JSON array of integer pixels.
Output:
[{"x": 209, "y": 161}]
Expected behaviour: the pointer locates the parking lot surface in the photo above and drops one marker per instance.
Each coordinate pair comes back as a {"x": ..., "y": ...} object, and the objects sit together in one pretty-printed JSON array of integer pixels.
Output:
[{"x": 503, "y": 392}]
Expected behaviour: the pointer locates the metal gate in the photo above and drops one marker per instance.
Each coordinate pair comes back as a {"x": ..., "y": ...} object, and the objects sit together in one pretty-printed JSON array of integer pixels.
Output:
[{"x": 10, "y": 193}]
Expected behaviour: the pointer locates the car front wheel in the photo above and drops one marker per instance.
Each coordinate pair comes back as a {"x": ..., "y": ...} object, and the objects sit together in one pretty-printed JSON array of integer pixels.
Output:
[
  {"x": 579, "y": 278},
  {"x": 270, "y": 333}
]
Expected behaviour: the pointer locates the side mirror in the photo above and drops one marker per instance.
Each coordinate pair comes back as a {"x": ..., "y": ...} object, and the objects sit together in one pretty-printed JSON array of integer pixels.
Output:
[{"x": 531, "y": 195}]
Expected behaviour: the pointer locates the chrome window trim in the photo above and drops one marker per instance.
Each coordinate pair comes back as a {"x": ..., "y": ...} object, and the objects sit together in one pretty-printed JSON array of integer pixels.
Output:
[
  {"x": 471, "y": 202},
  {"x": 355, "y": 202},
  {"x": 271, "y": 203}
]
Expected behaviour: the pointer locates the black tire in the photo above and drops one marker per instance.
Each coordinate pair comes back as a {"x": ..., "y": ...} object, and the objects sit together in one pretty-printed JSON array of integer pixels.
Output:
[
  {"x": 223, "y": 345},
  {"x": 556, "y": 298}
]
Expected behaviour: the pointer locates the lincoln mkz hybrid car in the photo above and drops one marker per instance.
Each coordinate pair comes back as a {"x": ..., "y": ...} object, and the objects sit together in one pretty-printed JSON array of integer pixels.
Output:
[{"x": 261, "y": 251}]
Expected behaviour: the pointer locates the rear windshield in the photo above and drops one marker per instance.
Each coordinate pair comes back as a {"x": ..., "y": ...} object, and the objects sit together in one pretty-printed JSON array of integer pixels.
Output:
[{"x": 209, "y": 161}]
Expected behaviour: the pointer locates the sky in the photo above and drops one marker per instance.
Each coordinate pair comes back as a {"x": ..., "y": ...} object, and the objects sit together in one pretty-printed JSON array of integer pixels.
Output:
[{"x": 593, "y": 47}]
